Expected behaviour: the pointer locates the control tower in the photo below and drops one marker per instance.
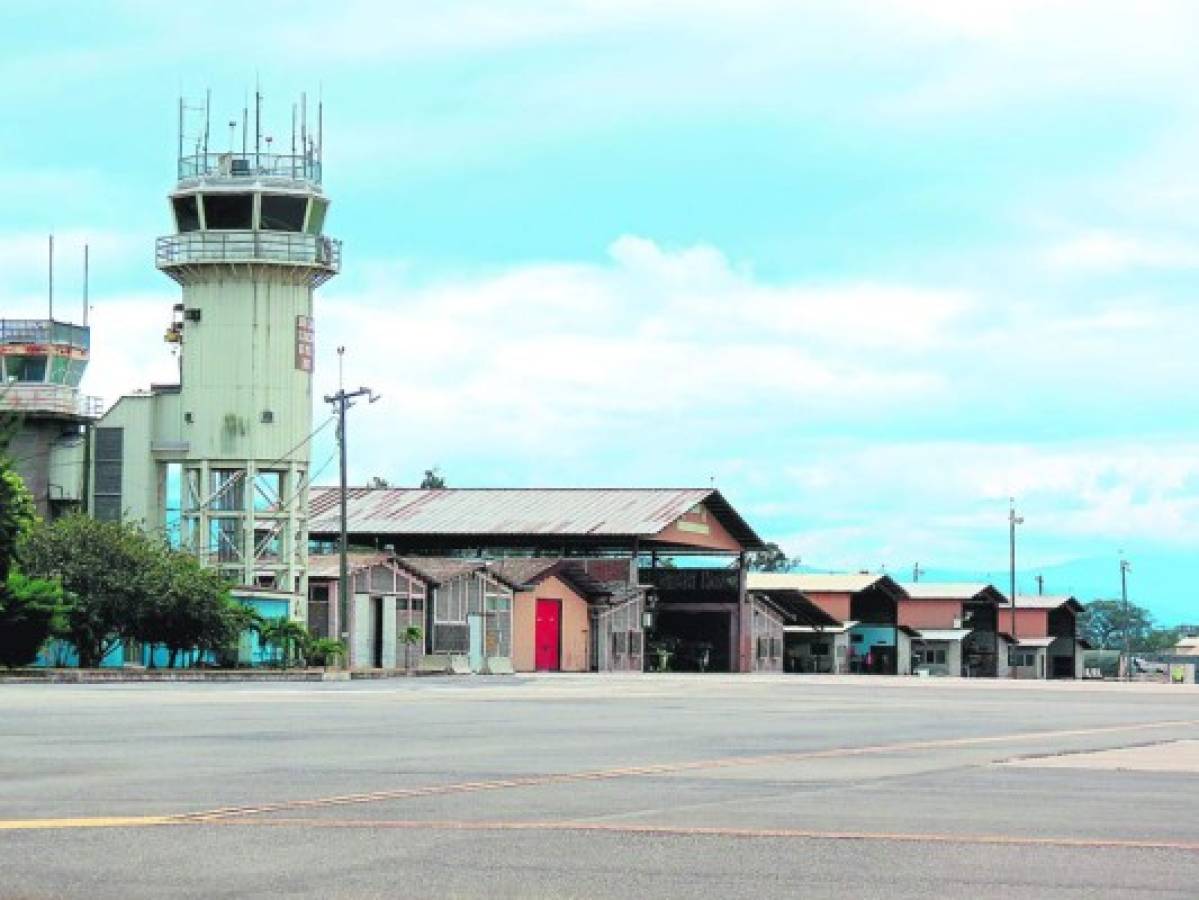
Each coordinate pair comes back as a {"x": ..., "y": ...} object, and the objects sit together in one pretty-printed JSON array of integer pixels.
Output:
[
  {"x": 220, "y": 461},
  {"x": 43, "y": 415}
]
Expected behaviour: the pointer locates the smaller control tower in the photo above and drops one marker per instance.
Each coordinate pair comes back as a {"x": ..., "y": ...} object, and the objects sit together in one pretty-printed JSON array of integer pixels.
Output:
[{"x": 43, "y": 414}]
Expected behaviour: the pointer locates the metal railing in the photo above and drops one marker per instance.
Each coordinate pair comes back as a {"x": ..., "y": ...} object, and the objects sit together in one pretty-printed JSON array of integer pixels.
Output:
[
  {"x": 49, "y": 399},
  {"x": 281, "y": 247},
  {"x": 250, "y": 165},
  {"x": 44, "y": 331}
]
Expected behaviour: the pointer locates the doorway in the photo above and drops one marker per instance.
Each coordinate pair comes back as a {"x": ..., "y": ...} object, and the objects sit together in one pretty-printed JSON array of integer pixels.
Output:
[
  {"x": 476, "y": 658},
  {"x": 548, "y": 636},
  {"x": 376, "y": 632}
]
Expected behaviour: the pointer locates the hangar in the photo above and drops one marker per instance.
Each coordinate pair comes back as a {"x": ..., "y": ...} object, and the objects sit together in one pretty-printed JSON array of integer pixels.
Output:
[{"x": 678, "y": 555}]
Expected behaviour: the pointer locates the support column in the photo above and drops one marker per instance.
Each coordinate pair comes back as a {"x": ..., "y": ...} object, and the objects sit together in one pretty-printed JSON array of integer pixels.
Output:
[{"x": 744, "y": 618}]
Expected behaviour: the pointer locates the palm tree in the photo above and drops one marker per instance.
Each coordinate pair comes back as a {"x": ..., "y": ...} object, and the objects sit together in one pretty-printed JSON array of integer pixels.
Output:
[
  {"x": 409, "y": 636},
  {"x": 288, "y": 636}
]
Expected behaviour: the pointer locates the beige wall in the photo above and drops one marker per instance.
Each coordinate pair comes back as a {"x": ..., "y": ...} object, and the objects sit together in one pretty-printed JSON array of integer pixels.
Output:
[{"x": 575, "y": 624}]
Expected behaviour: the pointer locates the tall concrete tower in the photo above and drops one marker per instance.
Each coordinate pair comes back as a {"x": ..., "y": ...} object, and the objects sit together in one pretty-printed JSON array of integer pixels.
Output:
[{"x": 224, "y": 454}]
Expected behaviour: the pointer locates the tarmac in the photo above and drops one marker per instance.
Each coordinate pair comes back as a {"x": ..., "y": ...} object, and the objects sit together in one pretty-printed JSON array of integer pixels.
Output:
[{"x": 600, "y": 786}]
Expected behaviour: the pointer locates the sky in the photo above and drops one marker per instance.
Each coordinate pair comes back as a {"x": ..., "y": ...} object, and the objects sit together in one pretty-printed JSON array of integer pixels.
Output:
[{"x": 871, "y": 268}]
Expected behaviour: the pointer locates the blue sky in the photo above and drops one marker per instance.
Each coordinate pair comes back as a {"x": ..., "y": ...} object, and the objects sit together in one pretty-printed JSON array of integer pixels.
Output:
[{"x": 874, "y": 267}]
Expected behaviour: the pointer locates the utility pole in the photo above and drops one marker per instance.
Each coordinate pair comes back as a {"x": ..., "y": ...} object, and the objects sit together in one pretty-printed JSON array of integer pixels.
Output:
[
  {"x": 916, "y": 573},
  {"x": 1040, "y": 585},
  {"x": 1013, "y": 521},
  {"x": 342, "y": 401},
  {"x": 1124, "y": 567}
]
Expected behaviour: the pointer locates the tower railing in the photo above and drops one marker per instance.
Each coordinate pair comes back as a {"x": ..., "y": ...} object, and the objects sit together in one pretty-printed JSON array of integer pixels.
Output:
[
  {"x": 279, "y": 247},
  {"x": 49, "y": 399},
  {"x": 250, "y": 165},
  {"x": 44, "y": 331}
]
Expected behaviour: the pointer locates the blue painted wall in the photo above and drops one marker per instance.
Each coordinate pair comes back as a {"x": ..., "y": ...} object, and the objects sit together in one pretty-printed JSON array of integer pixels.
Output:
[{"x": 251, "y": 651}]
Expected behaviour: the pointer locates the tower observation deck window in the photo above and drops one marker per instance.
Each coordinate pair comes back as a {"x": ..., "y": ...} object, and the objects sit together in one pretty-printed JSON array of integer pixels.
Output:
[
  {"x": 25, "y": 368},
  {"x": 229, "y": 212},
  {"x": 281, "y": 212},
  {"x": 316, "y": 218},
  {"x": 187, "y": 213}
]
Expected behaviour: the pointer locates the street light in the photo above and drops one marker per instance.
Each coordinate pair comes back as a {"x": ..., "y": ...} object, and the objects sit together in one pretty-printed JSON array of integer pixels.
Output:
[
  {"x": 1013, "y": 521},
  {"x": 1125, "y": 566}
]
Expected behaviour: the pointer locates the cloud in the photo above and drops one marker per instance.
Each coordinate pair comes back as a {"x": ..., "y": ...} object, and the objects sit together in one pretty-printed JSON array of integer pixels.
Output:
[
  {"x": 1109, "y": 252},
  {"x": 655, "y": 345},
  {"x": 907, "y": 501}
]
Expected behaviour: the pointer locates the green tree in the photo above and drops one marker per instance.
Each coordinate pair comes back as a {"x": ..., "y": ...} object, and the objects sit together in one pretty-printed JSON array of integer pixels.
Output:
[
  {"x": 17, "y": 515},
  {"x": 325, "y": 651},
  {"x": 224, "y": 641},
  {"x": 185, "y": 606},
  {"x": 1104, "y": 622},
  {"x": 772, "y": 558},
  {"x": 107, "y": 571},
  {"x": 30, "y": 608},
  {"x": 288, "y": 637},
  {"x": 433, "y": 479},
  {"x": 1160, "y": 640}
]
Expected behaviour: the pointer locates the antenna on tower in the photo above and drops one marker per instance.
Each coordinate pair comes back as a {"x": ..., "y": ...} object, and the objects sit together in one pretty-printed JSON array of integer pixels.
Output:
[
  {"x": 320, "y": 123},
  {"x": 245, "y": 125},
  {"x": 257, "y": 124},
  {"x": 207, "y": 108},
  {"x": 293, "y": 140},
  {"x": 85, "y": 278},
  {"x": 51, "y": 279},
  {"x": 179, "y": 158}
]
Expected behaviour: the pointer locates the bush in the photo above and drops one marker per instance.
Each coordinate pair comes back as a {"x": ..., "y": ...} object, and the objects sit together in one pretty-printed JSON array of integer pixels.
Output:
[{"x": 30, "y": 608}]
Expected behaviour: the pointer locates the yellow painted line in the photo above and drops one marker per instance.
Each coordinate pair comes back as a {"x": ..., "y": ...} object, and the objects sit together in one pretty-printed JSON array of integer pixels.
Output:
[
  {"x": 722, "y": 831},
  {"x": 437, "y": 790},
  {"x": 92, "y": 822},
  {"x": 669, "y": 769}
]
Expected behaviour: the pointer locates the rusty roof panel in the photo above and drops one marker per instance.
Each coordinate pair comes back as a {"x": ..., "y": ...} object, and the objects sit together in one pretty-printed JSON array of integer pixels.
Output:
[{"x": 572, "y": 512}]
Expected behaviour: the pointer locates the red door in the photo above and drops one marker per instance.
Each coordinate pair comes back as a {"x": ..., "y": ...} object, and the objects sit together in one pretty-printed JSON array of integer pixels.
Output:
[{"x": 549, "y": 636}]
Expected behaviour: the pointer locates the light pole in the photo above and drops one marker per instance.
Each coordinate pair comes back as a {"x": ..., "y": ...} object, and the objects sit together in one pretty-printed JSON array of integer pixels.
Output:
[
  {"x": 1013, "y": 521},
  {"x": 1124, "y": 567},
  {"x": 342, "y": 401}
]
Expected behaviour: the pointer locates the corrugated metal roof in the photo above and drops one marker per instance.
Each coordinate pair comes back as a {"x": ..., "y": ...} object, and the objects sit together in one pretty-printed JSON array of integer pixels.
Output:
[
  {"x": 805, "y": 582},
  {"x": 439, "y": 570},
  {"x": 324, "y": 565},
  {"x": 1035, "y": 642},
  {"x": 931, "y": 590},
  {"x": 944, "y": 634},
  {"x": 557, "y": 512},
  {"x": 1042, "y": 601}
]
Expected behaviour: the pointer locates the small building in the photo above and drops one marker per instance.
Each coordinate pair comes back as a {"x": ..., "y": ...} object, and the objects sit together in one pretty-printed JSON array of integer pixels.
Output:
[
  {"x": 556, "y": 608},
  {"x": 1045, "y": 629},
  {"x": 865, "y": 605},
  {"x": 387, "y": 599},
  {"x": 970, "y": 608},
  {"x": 940, "y": 651},
  {"x": 1187, "y": 646},
  {"x": 468, "y": 615},
  {"x": 700, "y": 604}
]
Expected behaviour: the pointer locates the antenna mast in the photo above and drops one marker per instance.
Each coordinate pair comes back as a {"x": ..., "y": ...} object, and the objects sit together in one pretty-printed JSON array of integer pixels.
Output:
[
  {"x": 257, "y": 126},
  {"x": 85, "y": 276},
  {"x": 179, "y": 158},
  {"x": 51, "y": 283}
]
